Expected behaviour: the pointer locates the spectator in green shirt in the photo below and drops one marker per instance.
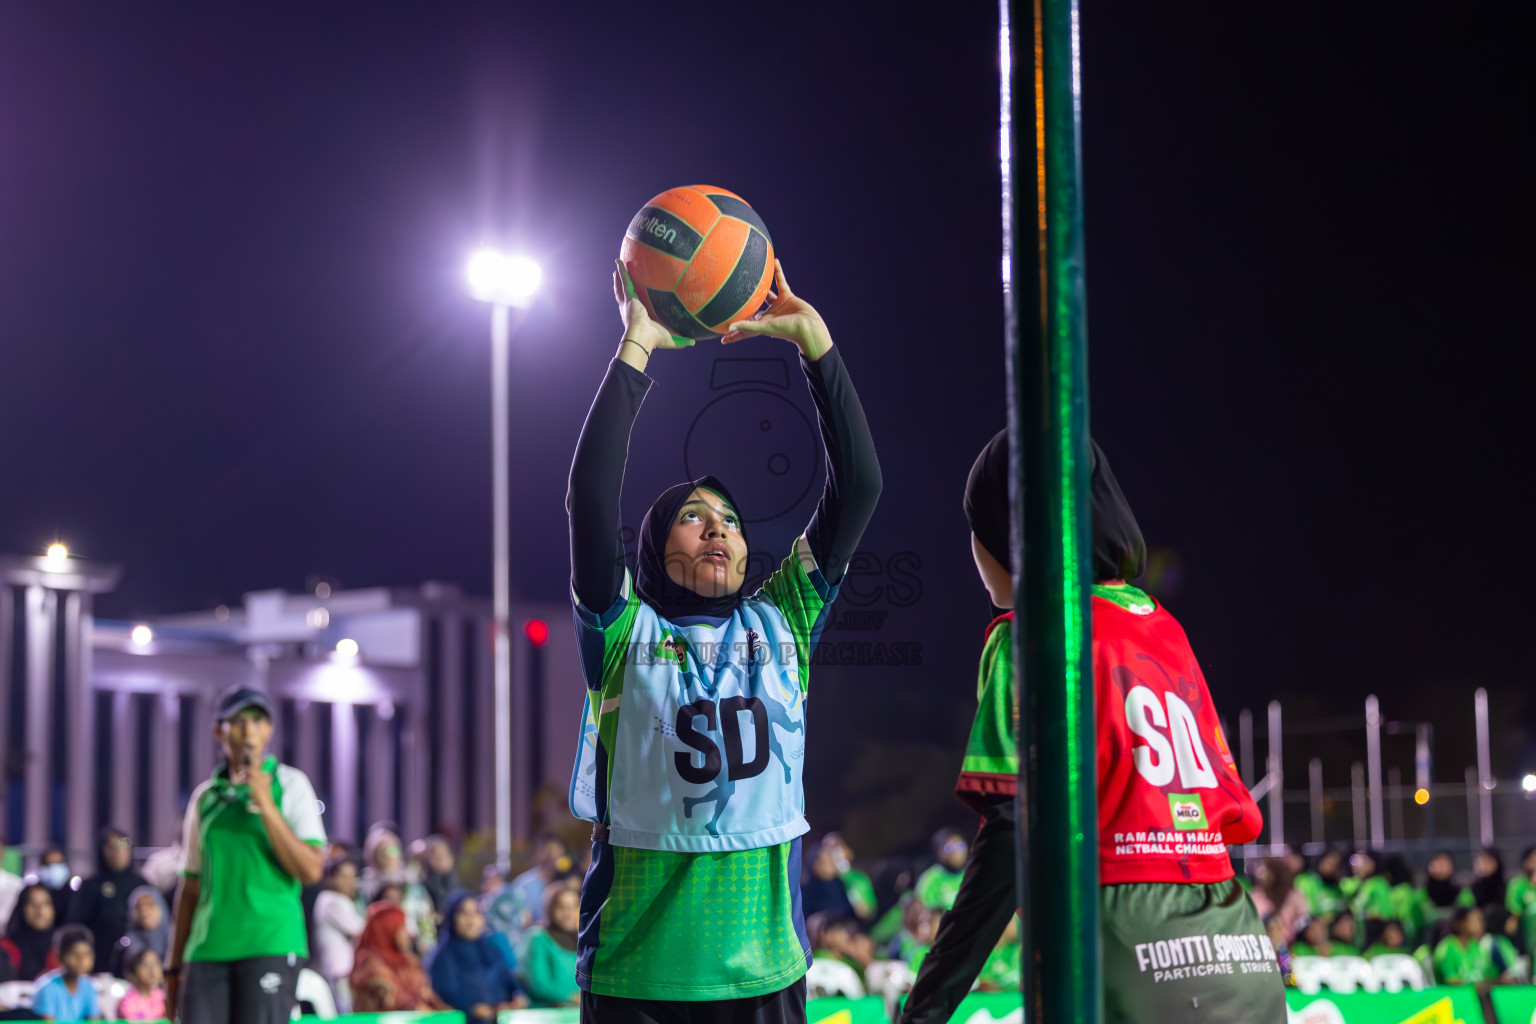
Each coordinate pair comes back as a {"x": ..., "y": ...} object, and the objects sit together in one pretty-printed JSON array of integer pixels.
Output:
[
  {"x": 253, "y": 834},
  {"x": 1367, "y": 894},
  {"x": 938, "y": 886},
  {"x": 919, "y": 924},
  {"x": 1500, "y": 927},
  {"x": 548, "y": 970},
  {"x": 1409, "y": 904},
  {"x": 1441, "y": 888},
  {"x": 860, "y": 890},
  {"x": 1520, "y": 899},
  {"x": 1321, "y": 885},
  {"x": 1344, "y": 930},
  {"x": 1392, "y": 940},
  {"x": 1460, "y": 958},
  {"x": 1003, "y": 970},
  {"x": 1322, "y": 937}
]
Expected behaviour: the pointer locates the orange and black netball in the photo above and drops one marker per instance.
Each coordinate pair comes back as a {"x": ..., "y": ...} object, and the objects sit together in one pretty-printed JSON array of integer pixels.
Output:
[{"x": 700, "y": 258}]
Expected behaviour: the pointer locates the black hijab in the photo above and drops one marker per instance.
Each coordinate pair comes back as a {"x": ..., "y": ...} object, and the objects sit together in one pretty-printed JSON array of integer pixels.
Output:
[
  {"x": 1442, "y": 892},
  {"x": 1119, "y": 552},
  {"x": 1489, "y": 889},
  {"x": 670, "y": 599},
  {"x": 34, "y": 944}
]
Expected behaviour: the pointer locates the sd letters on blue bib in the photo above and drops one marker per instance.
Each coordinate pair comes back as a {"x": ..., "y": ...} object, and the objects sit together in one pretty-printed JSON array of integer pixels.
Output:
[{"x": 693, "y": 733}]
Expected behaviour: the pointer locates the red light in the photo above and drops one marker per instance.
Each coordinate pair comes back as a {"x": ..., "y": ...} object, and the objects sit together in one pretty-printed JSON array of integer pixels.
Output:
[{"x": 537, "y": 632}]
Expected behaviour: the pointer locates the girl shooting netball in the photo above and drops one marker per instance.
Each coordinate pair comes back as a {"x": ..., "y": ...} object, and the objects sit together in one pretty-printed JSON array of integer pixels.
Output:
[{"x": 694, "y": 727}]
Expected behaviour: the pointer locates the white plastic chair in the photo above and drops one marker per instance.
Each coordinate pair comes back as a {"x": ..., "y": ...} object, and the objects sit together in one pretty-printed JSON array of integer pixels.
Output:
[
  {"x": 1397, "y": 971},
  {"x": 832, "y": 978},
  {"x": 890, "y": 980},
  {"x": 109, "y": 992},
  {"x": 314, "y": 990},
  {"x": 16, "y": 995}
]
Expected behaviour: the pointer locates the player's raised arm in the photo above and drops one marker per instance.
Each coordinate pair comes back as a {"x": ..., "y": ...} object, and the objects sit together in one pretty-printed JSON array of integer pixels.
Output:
[
  {"x": 597, "y": 471},
  {"x": 853, "y": 470}
]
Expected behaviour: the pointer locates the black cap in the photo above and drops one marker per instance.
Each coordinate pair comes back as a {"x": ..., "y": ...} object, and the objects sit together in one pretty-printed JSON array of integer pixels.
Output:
[{"x": 237, "y": 698}]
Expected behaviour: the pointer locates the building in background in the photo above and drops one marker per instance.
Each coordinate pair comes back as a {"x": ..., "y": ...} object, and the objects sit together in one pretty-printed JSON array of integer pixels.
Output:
[{"x": 383, "y": 698}]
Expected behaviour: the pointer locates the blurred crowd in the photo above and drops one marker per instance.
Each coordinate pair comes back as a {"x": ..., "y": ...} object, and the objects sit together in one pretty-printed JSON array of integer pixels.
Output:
[
  {"x": 397, "y": 928},
  {"x": 1465, "y": 925},
  {"x": 1472, "y": 923},
  {"x": 869, "y": 936},
  {"x": 392, "y": 928}
]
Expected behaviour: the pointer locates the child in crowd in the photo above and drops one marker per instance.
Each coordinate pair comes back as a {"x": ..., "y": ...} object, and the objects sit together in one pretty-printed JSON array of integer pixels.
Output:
[
  {"x": 919, "y": 924},
  {"x": 1461, "y": 958},
  {"x": 145, "y": 999},
  {"x": 1318, "y": 938},
  {"x": 1392, "y": 940},
  {"x": 1367, "y": 893},
  {"x": 69, "y": 995},
  {"x": 1313, "y": 940},
  {"x": 1501, "y": 927},
  {"x": 1410, "y": 905},
  {"x": 335, "y": 925},
  {"x": 1003, "y": 970},
  {"x": 1321, "y": 885},
  {"x": 1520, "y": 899},
  {"x": 938, "y": 886},
  {"x": 1440, "y": 885},
  {"x": 1344, "y": 931}
]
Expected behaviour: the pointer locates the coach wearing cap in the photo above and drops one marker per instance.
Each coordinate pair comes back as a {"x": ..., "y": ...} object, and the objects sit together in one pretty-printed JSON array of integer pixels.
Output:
[{"x": 253, "y": 839}]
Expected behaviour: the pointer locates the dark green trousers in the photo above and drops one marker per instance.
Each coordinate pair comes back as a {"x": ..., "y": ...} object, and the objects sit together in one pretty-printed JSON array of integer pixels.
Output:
[{"x": 1187, "y": 953}]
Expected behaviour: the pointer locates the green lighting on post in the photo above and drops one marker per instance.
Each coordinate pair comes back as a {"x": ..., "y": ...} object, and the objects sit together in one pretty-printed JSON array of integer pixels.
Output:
[{"x": 1045, "y": 311}]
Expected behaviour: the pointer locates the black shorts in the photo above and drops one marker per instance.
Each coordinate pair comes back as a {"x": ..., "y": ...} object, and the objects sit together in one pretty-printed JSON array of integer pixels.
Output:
[
  {"x": 786, "y": 1006},
  {"x": 255, "y": 991}
]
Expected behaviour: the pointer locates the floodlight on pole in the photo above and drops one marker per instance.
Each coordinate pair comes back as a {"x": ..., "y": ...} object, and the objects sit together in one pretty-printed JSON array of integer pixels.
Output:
[
  {"x": 142, "y": 636},
  {"x": 506, "y": 282},
  {"x": 1529, "y": 783},
  {"x": 503, "y": 280}
]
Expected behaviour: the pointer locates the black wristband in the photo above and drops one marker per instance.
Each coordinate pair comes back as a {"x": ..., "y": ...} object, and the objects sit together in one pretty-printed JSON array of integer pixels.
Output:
[{"x": 642, "y": 348}]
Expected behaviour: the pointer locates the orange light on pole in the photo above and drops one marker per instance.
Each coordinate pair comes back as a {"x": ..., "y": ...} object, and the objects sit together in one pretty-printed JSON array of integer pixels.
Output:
[{"x": 1421, "y": 796}]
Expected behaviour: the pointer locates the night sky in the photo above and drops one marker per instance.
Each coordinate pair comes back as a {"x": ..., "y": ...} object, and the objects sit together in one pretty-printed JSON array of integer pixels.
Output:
[{"x": 236, "y": 351}]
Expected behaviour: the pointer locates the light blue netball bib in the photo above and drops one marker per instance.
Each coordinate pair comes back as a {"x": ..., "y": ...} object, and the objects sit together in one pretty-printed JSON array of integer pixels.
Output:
[{"x": 693, "y": 736}]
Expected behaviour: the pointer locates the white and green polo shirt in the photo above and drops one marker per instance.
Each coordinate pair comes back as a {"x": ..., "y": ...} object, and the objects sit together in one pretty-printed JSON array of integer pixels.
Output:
[{"x": 247, "y": 905}]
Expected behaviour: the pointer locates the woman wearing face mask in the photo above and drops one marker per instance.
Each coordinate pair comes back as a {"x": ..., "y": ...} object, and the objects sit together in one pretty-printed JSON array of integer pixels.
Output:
[
  {"x": 691, "y": 898},
  {"x": 54, "y": 875},
  {"x": 253, "y": 838}
]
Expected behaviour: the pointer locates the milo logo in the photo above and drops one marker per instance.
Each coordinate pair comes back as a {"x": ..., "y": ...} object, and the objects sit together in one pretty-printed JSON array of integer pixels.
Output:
[{"x": 1188, "y": 812}]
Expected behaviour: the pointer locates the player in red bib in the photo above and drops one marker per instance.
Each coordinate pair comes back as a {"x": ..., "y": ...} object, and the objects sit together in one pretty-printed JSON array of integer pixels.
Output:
[{"x": 1182, "y": 940}]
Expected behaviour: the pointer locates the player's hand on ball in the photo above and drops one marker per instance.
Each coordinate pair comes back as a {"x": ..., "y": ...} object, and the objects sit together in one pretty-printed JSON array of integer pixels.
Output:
[
  {"x": 789, "y": 317},
  {"x": 638, "y": 325}
]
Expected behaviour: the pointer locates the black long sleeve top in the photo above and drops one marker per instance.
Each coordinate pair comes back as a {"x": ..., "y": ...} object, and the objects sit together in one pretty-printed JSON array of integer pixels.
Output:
[{"x": 597, "y": 477}]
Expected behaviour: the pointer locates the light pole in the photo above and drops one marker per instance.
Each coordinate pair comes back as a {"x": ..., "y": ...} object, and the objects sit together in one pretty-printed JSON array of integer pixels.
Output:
[{"x": 507, "y": 283}]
